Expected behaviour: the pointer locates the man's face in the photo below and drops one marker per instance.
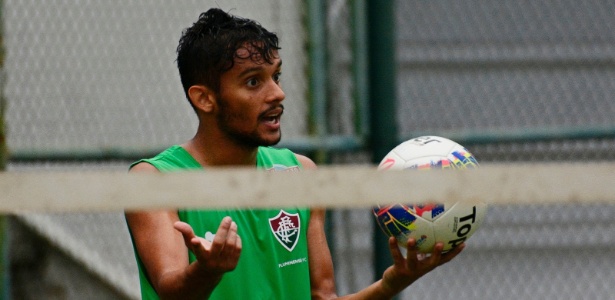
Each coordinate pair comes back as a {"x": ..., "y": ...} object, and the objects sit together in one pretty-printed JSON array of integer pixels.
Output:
[{"x": 250, "y": 101}]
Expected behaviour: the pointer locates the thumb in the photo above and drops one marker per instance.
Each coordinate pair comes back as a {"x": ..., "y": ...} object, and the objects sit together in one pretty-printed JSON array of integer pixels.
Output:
[{"x": 186, "y": 230}]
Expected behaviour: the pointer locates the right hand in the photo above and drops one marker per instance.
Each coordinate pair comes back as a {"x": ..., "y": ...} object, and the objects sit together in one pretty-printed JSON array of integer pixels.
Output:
[{"x": 216, "y": 257}]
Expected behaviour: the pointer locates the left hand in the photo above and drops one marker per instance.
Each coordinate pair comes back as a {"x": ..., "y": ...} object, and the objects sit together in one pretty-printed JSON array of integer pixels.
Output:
[{"x": 405, "y": 271}]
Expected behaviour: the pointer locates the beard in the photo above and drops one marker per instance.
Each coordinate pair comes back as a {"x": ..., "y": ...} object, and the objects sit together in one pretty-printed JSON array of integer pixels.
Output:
[{"x": 249, "y": 139}]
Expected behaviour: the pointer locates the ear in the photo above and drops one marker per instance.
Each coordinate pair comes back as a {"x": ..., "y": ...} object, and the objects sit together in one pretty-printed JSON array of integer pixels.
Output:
[{"x": 202, "y": 97}]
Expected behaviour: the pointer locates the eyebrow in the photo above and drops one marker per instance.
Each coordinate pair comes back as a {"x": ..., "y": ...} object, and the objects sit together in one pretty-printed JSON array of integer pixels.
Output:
[{"x": 257, "y": 68}]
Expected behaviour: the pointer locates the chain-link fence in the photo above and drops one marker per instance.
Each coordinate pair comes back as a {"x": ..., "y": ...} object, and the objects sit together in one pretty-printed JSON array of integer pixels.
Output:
[
  {"x": 102, "y": 75},
  {"x": 515, "y": 82},
  {"x": 88, "y": 76},
  {"x": 88, "y": 82},
  {"x": 526, "y": 67}
]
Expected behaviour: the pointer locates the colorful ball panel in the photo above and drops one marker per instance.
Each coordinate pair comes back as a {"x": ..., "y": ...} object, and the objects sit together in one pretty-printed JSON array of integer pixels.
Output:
[{"x": 450, "y": 223}]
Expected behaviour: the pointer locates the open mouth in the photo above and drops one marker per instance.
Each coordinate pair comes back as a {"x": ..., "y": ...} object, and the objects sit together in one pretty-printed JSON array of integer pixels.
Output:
[
  {"x": 272, "y": 119},
  {"x": 273, "y": 116}
]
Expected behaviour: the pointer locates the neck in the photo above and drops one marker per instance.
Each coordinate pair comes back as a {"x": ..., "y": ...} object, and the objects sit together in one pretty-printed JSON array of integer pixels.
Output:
[{"x": 213, "y": 151}]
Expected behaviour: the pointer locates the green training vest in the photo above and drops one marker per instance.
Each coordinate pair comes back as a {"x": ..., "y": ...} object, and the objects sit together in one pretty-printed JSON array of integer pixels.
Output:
[{"x": 274, "y": 258}]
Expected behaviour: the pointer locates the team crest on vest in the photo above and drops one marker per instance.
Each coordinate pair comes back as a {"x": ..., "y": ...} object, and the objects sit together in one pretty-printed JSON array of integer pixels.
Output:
[{"x": 286, "y": 228}]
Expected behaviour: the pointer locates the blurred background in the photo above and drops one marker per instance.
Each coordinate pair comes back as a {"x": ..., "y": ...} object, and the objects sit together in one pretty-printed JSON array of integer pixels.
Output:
[{"x": 93, "y": 86}]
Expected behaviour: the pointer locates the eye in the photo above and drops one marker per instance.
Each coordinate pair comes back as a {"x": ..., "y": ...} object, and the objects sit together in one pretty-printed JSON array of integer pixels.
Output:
[
  {"x": 277, "y": 77},
  {"x": 252, "y": 82}
]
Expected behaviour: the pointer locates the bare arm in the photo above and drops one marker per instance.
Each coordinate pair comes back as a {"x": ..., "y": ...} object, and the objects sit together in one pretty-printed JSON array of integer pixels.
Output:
[
  {"x": 162, "y": 243},
  {"x": 322, "y": 280},
  {"x": 404, "y": 271}
]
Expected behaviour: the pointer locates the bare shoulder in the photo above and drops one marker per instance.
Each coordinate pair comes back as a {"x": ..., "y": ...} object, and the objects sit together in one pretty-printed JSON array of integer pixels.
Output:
[
  {"x": 306, "y": 162},
  {"x": 143, "y": 167},
  {"x": 135, "y": 217},
  {"x": 141, "y": 221}
]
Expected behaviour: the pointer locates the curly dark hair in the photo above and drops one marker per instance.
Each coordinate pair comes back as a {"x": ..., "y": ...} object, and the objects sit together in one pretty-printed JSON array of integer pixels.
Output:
[{"x": 208, "y": 48}]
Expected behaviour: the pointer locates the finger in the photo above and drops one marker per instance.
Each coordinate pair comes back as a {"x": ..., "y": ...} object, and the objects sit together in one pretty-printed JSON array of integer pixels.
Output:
[
  {"x": 446, "y": 257},
  {"x": 239, "y": 245},
  {"x": 183, "y": 227},
  {"x": 201, "y": 248},
  {"x": 436, "y": 253},
  {"x": 234, "y": 246},
  {"x": 231, "y": 239},
  {"x": 217, "y": 245},
  {"x": 195, "y": 244},
  {"x": 232, "y": 236},
  {"x": 412, "y": 254},
  {"x": 398, "y": 258},
  {"x": 186, "y": 230},
  {"x": 237, "y": 250}
]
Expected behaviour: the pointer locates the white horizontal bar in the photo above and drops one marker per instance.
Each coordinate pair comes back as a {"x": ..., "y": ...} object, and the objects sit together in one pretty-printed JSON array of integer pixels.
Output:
[{"x": 330, "y": 186}]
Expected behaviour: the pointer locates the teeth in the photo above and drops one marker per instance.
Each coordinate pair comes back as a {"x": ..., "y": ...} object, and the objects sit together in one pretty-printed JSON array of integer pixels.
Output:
[{"x": 272, "y": 116}]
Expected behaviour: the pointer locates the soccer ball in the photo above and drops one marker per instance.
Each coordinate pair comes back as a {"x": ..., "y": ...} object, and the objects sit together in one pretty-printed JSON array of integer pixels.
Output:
[{"x": 449, "y": 222}]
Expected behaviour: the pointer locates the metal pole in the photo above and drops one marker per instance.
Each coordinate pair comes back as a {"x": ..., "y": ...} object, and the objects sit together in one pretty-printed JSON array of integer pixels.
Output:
[
  {"x": 359, "y": 67},
  {"x": 383, "y": 123},
  {"x": 317, "y": 73},
  {"x": 319, "y": 142}
]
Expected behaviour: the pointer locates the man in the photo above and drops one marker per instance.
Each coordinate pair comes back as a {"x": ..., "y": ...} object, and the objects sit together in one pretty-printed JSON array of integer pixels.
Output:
[{"x": 230, "y": 70}]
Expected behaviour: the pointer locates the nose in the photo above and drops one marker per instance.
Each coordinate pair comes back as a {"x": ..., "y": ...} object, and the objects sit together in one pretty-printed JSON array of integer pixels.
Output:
[{"x": 275, "y": 92}]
